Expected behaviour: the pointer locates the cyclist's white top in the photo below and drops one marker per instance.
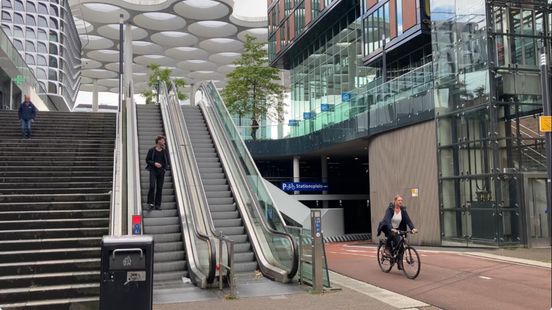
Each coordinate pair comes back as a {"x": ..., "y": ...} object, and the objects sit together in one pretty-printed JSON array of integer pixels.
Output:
[{"x": 396, "y": 220}]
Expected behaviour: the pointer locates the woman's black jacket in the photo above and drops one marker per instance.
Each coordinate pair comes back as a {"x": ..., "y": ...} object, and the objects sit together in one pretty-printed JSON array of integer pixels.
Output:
[{"x": 386, "y": 221}]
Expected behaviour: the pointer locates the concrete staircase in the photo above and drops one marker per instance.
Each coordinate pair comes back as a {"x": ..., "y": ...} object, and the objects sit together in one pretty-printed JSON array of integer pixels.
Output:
[
  {"x": 224, "y": 212},
  {"x": 164, "y": 225},
  {"x": 54, "y": 208}
]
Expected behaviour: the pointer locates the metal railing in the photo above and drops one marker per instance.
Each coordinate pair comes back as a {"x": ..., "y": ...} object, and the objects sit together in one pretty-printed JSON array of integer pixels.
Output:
[
  {"x": 134, "y": 191},
  {"x": 117, "y": 192},
  {"x": 275, "y": 248},
  {"x": 200, "y": 248}
]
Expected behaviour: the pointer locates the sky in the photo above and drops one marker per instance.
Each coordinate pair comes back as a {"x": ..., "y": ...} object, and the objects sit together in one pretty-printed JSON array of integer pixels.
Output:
[{"x": 245, "y": 8}]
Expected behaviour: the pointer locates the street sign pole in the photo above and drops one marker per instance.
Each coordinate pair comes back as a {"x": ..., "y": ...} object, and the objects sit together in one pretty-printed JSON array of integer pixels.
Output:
[{"x": 546, "y": 109}]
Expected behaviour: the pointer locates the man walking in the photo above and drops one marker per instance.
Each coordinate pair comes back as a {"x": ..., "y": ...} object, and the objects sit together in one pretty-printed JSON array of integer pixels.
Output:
[
  {"x": 157, "y": 162},
  {"x": 27, "y": 114}
]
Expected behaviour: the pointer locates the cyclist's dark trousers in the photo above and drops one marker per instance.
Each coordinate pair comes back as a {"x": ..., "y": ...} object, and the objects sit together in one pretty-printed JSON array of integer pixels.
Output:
[
  {"x": 392, "y": 239},
  {"x": 157, "y": 177}
]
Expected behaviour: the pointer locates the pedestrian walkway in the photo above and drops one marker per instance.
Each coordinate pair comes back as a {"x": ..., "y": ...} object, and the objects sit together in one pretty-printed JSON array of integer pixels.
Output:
[{"x": 348, "y": 294}]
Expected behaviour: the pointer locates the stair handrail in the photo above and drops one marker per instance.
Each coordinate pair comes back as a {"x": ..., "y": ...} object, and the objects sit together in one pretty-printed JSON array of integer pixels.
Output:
[
  {"x": 134, "y": 191},
  {"x": 269, "y": 268},
  {"x": 116, "y": 200},
  {"x": 198, "y": 275},
  {"x": 197, "y": 184}
]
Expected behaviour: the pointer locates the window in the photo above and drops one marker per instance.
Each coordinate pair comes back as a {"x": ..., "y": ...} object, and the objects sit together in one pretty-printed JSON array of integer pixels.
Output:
[
  {"x": 29, "y": 59},
  {"x": 31, "y": 7},
  {"x": 41, "y": 60},
  {"x": 42, "y": 21},
  {"x": 31, "y": 21},
  {"x": 42, "y": 49},
  {"x": 53, "y": 49},
  {"x": 53, "y": 23},
  {"x": 41, "y": 73},
  {"x": 53, "y": 36},
  {"x": 30, "y": 34},
  {"x": 30, "y": 47},
  {"x": 52, "y": 88},
  {"x": 42, "y": 35},
  {"x": 18, "y": 19},
  {"x": 6, "y": 17},
  {"x": 18, "y": 45},
  {"x": 54, "y": 11},
  {"x": 42, "y": 8},
  {"x": 52, "y": 74},
  {"x": 19, "y": 6},
  {"x": 18, "y": 32},
  {"x": 399, "y": 17},
  {"x": 6, "y": 4},
  {"x": 53, "y": 62}
]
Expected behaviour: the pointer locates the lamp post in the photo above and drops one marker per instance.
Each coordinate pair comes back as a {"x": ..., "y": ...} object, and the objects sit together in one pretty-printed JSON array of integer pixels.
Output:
[
  {"x": 158, "y": 87},
  {"x": 547, "y": 109}
]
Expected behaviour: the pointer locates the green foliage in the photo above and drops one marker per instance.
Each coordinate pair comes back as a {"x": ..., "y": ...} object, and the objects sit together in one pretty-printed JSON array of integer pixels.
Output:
[
  {"x": 164, "y": 75},
  {"x": 252, "y": 87}
]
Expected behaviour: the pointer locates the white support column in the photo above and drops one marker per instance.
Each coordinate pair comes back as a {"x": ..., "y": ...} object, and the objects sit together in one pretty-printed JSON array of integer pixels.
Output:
[
  {"x": 11, "y": 94},
  {"x": 296, "y": 173},
  {"x": 127, "y": 56},
  {"x": 324, "y": 170},
  {"x": 95, "y": 106},
  {"x": 193, "y": 93}
]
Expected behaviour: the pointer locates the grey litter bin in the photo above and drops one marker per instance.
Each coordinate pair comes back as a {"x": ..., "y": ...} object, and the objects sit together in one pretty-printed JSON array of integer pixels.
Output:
[{"x": 126, "y": 273}]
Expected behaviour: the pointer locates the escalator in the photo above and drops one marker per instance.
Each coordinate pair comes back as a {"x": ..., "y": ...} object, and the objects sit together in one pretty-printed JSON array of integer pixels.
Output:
[
  {"x": 234, "y": 200},
  {"x": 222, "y": 205}
]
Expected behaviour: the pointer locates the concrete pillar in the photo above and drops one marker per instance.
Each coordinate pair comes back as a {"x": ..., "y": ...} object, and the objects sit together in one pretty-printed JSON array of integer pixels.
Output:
[
  {"x": 296, "y": 173},
  {"x": 193, "y": 93},
  {"x": 95, "y": 106},
  {"x": 127, "y": 58},
  {"x": 11, "y": 94},
  {"x": 324, "y": 169}
]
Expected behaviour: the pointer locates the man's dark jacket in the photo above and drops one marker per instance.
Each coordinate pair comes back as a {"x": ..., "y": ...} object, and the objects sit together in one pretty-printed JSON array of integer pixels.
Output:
[
  {"x": 27, "y": 112},
  {"x": 389, "y": 215}
]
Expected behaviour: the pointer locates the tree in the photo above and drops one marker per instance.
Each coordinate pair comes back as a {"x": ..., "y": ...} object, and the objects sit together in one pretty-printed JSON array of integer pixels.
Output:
[
  {"x": 164, "y": 75},
  {"x": 252, "y": 88}
]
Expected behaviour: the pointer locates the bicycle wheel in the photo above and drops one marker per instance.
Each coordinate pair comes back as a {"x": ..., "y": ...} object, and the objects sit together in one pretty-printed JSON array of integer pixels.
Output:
[
  {"x": 411, "y": 263},
  {"x": 384, "y": 261}
]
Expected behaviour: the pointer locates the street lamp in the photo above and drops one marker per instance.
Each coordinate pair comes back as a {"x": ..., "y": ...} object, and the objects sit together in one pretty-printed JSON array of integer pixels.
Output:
[
  {"x": 158, "y": 86},
  {"x": 547, "y": 109}
]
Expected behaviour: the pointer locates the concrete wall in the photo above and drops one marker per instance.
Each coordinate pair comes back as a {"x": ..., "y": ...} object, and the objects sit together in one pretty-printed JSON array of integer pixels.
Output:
[{"x": 400, "y": 161}]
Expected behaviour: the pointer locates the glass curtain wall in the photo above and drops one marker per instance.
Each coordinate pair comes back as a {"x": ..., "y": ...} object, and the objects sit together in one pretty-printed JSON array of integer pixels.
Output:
[
  {"x": 324, "y": 75},
  {"x": 486, "y": 84}
]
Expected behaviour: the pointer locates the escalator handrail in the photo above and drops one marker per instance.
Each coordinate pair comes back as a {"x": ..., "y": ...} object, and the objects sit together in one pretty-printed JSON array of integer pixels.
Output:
[
  {"x": 208, "y": 219},
  {"x": 183, "y": 199},
  {"x": 286, "y": 235}
]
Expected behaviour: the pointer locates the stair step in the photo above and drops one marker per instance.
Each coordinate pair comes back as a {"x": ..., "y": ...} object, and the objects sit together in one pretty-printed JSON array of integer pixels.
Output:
[
  {"x": 66, "y": 278},
  {"x": 83, "y": 264},
  {"x": 49, "y": 292},
  {"x": 52, "y": 243},
  {"x": 49, "y": 254},
  {"x": 53, "y": 233},
  {"x": 55, "y": 223},
  {"x": 53, "y": 214}
]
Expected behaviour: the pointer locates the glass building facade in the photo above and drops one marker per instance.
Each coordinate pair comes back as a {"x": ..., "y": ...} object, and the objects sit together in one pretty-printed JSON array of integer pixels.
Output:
[
  {"x": 46, "y": 36},
  {"x": 476, "y": 75},
  {"x": 487, "y": 94}
]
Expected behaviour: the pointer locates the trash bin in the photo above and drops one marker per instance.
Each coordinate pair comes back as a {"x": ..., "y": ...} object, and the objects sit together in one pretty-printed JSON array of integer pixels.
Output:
[{"x": 126, "y": 273}]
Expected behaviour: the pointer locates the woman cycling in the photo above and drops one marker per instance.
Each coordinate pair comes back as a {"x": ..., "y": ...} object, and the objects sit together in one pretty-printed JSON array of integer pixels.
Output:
[{"x": 396, "y": 218}]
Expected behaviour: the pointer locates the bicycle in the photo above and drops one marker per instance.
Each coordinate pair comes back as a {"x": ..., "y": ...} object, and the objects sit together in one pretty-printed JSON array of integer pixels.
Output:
[{"x": 404, "y": 255}]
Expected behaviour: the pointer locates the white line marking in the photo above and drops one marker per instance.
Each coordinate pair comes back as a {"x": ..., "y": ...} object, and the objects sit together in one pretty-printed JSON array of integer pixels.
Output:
[{"x": 484, "y": 278}]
